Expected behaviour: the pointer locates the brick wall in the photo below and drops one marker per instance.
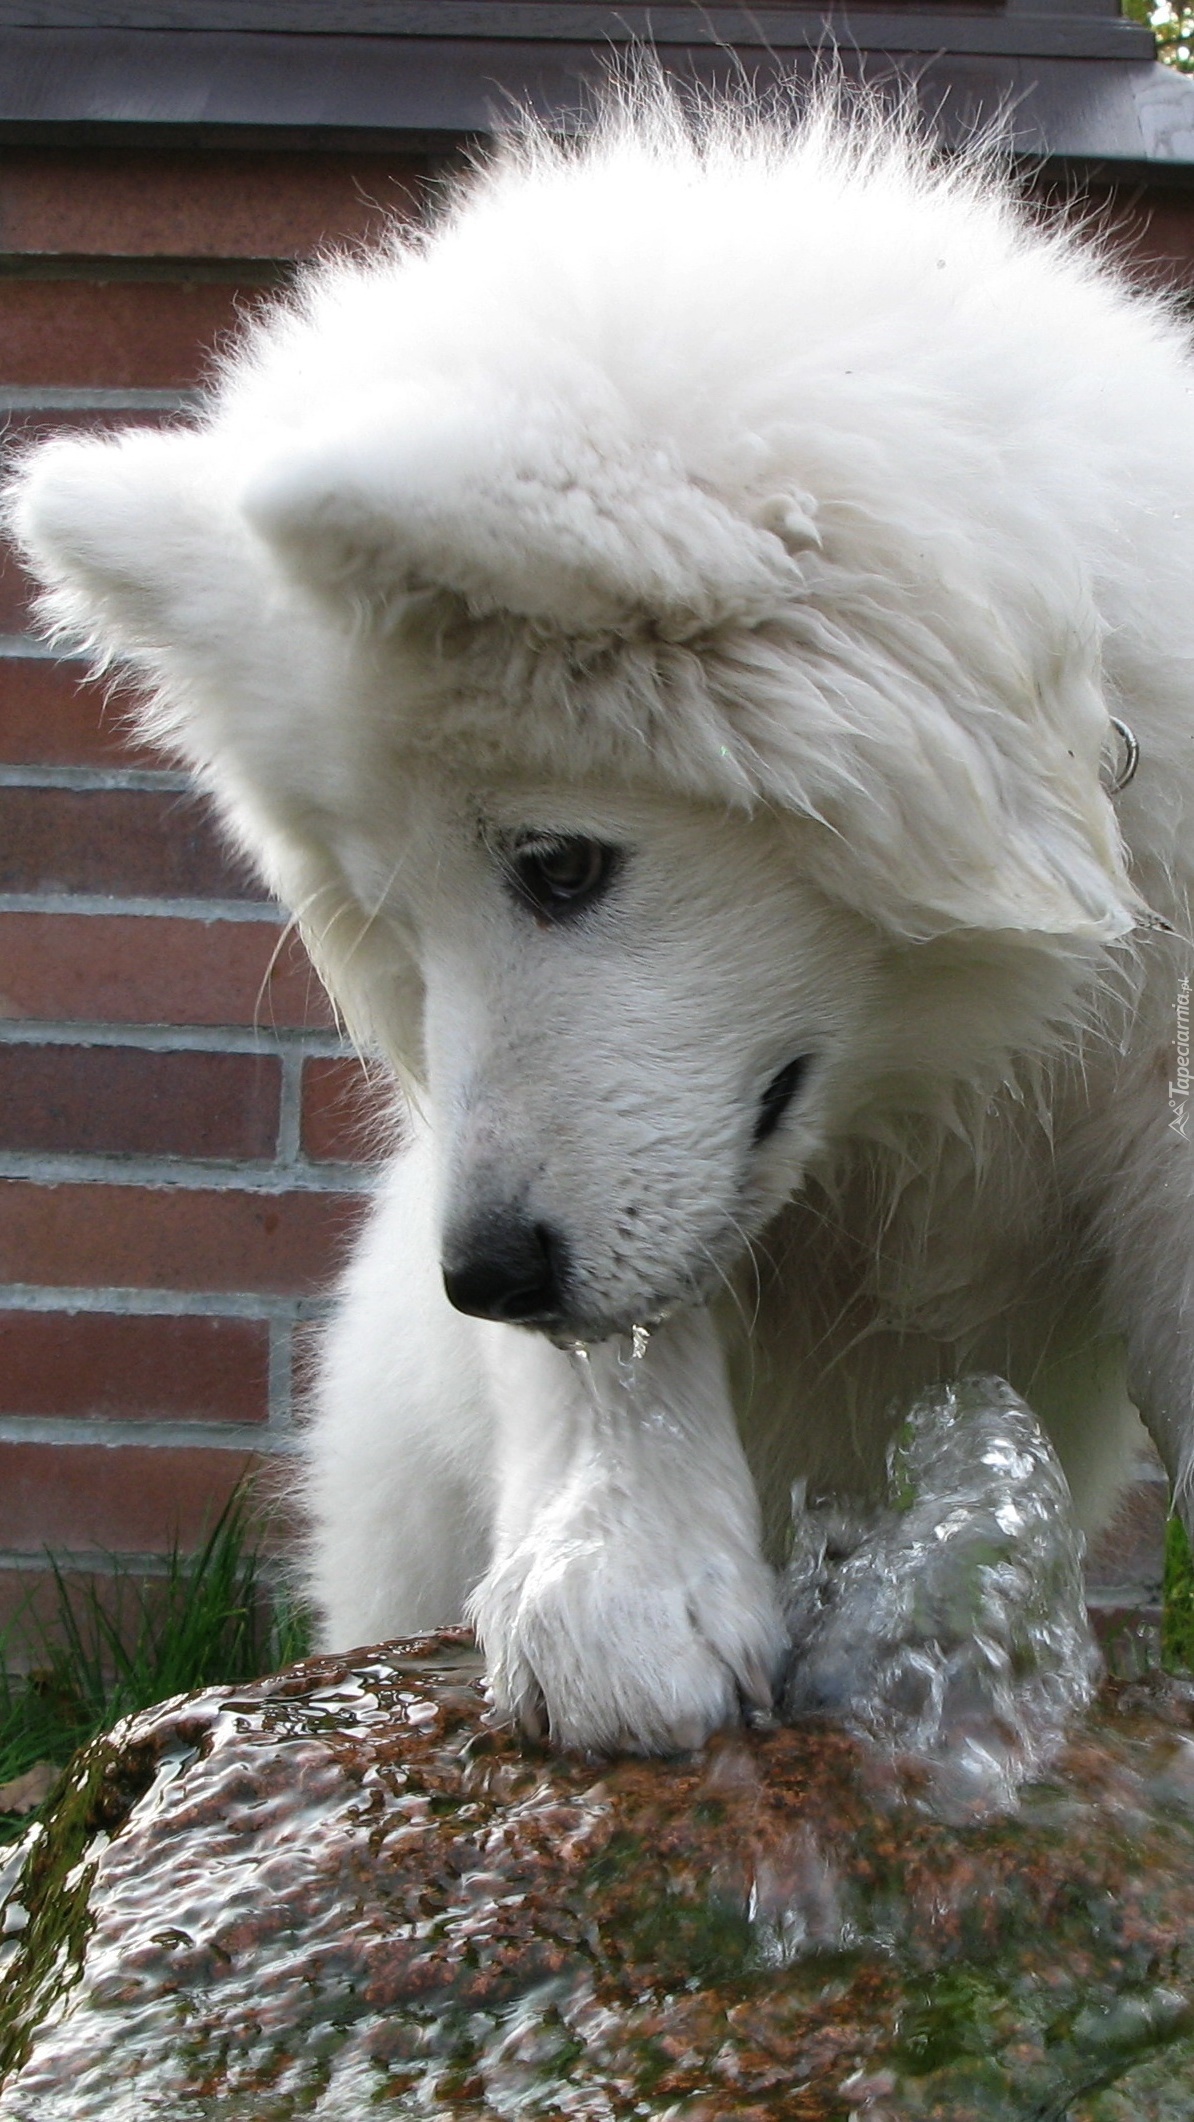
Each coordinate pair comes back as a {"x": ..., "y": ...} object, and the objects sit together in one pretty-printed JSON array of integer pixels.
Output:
[
  {"x": 180, "y": 1163},
  {"x": 181, "y": 1150}
]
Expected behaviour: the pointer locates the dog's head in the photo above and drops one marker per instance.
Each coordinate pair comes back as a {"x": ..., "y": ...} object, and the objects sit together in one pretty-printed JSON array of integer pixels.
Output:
[
  {"x": 645, "y": 649},
  {"x": 639, "y": 1023}
]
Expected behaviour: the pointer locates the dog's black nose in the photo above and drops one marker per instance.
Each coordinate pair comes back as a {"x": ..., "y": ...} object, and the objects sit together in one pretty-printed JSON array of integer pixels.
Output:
[{"x": 507, "y": 1268}]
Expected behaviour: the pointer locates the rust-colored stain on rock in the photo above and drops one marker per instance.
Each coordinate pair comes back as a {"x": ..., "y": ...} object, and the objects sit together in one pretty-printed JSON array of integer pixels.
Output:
[{"x": 340, "y": 1892}]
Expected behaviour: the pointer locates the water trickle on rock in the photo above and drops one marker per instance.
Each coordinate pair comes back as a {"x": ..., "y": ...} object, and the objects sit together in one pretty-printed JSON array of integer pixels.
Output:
[
  {"x": 338, "y": 1890},
  {"x": 341, "y": 1889}
]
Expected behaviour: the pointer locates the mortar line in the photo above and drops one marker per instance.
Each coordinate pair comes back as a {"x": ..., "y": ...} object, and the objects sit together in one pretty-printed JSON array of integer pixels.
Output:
[
  {"x": 122, "y": 1300},
  {"x": 182, "y": 1174},
  {"x": 30, "y": 648},
  {"x": 290, "y": 1108},
  {"x": 97, "y": 780},
  {"x": 146, "y": 1433},
  {"x": 144, "y": 907},
  {"x": 257, "y": 1040},
  {"x": 95, "y": 398}
]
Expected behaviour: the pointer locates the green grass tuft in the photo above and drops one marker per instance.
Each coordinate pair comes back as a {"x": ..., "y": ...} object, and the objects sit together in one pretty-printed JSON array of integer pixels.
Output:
[
  {"x": 1177, "y": 1620},
  {"x": 118, "y": 1645}
]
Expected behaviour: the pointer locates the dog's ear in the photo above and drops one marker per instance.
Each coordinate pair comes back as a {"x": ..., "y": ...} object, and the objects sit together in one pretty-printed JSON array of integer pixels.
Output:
[
  {"x": 133, "y": 538},
  {"x": 567, "y": 523},
  {"x": 1006, "y": 832},
  {"x": 146, "y": 560},
  {"x": 1053, "y": 870}
]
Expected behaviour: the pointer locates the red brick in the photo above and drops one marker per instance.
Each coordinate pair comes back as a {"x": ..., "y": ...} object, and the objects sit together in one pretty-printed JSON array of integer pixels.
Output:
[
  {"x": 31, "y": 1621},
  {"x": 346, "y": 1115},
  {"x": 116, "y": 1497},
  {"x": 155, "y": 969},
  {"x": 16, "y": 594},
  {"x": 31, "y": 1606},
  {"x": 130, "y": 842},
  {"x": 123, "y": 1367},
  {"x": 91, "y": 1235},
  {"x": 128, "y": 333},
  {"x": 217, "y": 204},
  {"x": 30, "y": 1609},
  {"x": 51, "y": 716},
  {"x": 119, "y": 1099},
  {"x": 1152, "y": 233},
  {"x": 1157, "y": 234}
]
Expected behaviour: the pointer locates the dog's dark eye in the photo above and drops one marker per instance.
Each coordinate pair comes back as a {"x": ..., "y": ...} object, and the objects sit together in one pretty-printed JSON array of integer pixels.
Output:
[
  {"x": 559, "y": 878},
  {"x": 778, "y": 1096}
]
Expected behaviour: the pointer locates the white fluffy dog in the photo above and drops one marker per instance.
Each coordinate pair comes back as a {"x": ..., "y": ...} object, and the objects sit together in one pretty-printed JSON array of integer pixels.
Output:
[{"x": 677, "y": 638}]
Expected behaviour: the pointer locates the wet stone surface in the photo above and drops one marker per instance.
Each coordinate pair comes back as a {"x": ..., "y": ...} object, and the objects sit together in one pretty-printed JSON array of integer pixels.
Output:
[{"x": 338, "y": 1892}]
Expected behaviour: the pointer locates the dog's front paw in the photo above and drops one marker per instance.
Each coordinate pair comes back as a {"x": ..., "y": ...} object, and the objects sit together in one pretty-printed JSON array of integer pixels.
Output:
[{"x": 620, "y": 1654}]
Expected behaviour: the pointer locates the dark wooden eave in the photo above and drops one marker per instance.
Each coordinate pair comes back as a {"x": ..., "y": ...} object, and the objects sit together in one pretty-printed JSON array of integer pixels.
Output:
[{"x": 1076, "y": 84}]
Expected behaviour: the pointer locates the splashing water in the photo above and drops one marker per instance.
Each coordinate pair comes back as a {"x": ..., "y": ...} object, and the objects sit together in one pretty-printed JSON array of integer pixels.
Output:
[{"x": 951, "y": 1625}]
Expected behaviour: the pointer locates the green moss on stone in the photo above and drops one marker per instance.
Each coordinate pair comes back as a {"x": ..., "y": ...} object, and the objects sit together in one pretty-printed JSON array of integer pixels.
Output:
[
  {"x": 54, "y": 1887},
  {"x": 952, "y": 2015}
]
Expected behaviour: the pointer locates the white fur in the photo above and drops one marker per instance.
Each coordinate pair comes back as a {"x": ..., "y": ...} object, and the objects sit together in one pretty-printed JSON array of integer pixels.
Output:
[{"x": 792, "y": 515}]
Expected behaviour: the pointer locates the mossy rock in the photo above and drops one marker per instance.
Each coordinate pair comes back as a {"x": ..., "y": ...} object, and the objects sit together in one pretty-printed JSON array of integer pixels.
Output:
[{"x": 338, "y": 1891}]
